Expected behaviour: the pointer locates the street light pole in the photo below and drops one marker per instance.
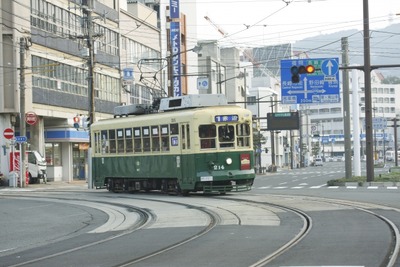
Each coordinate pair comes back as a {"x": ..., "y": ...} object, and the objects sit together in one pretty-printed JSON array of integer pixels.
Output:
[
  {"x": 323, "y": 143},
  {"x": 375, "y": 152},
  {"x": 259, "y": 135}
]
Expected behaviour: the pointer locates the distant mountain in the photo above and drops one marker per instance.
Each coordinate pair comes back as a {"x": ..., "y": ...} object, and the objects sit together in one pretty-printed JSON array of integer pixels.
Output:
[{"x": 385, "y": 47}]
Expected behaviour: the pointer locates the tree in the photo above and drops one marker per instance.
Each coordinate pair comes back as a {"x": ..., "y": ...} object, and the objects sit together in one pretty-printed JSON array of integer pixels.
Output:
[
  {"x": 316, "y": 147},
  {"x": 258, "y": 139}
]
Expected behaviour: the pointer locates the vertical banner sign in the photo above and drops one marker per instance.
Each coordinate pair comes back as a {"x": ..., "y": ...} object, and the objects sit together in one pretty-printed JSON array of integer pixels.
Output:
[
  {"x": 175, "y": 41},
  {"x": 176, "y": 58},
  {"x": 174, "y": 9}
]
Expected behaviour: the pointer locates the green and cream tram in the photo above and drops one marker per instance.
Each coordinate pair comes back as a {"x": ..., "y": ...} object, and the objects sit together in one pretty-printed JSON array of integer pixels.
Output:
[{"x": 185, "y": 146}]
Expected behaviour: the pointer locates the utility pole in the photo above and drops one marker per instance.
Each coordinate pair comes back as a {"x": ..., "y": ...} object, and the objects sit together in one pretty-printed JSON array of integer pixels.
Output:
[
  {"x": 89, "y": 38},
  {"x": 87, "y": 11},
  {"x": 368, "y": 97},
  {"x": 22, "y": 126},
  {"x": 346, "y": 109},
  {"x": 395, "y": 120},
  {"x": 272, "y": 140}
]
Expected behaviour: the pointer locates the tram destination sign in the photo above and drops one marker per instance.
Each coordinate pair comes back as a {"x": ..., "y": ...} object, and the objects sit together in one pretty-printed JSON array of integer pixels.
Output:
[
  {"x": 283, "y": 121},
  {"x": 226, "y": 118}
]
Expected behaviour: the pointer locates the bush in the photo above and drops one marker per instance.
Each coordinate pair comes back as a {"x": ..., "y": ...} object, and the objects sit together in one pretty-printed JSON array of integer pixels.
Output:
[{"x": 393, "y": 177}]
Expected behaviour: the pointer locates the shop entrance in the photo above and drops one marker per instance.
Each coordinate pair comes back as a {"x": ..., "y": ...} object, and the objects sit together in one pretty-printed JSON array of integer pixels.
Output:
[{"x": 79, "y": 159}]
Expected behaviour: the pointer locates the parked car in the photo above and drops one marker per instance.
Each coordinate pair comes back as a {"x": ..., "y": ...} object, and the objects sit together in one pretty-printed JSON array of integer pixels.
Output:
[{"x": 318, "y": 162}]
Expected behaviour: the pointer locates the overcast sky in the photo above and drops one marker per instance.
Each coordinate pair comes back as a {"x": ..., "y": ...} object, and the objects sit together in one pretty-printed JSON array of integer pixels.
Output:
[{"x": 266, "y": 22}]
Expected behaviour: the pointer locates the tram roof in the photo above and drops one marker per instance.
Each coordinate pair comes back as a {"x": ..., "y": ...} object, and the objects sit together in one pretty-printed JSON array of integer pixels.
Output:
[{"x": 163, "y": 117}]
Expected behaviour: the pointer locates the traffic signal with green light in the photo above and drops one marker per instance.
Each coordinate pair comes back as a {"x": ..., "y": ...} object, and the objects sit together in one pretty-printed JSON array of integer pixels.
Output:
[{"x": 297, "y": 70}]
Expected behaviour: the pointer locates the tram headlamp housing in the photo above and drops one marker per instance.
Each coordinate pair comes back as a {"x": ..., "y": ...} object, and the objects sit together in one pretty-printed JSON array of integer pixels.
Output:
[{"x": 228, "y": 161}]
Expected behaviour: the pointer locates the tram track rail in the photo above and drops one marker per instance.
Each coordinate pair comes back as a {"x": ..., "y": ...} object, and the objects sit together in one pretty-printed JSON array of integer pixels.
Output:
[
  {"x": 391, "y": 258},
  {"x": 393, "y": 254},
  {"x": 148, "y": 217}
]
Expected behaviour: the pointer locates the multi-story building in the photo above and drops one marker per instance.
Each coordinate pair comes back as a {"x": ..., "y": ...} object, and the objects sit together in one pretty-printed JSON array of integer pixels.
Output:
[
  {"x": 53, "y": 41},
  {"x": 326, "y": 120},
  {"x": 321, "y": 132}
]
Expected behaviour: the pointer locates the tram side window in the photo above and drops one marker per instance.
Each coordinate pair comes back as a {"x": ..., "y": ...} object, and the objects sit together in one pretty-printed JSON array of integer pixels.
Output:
[
  {"x": 104, "y": 142},
  {"x": 188, "y": 135},
  {"x": 111, "y": 139},
  {"x": 137, "y": 139},
  {"x": 183, "y": 137},
  {"x": 97, "y": 142},
  {"x": 155, "y": 138},
  {"x": 226, "y": 135},
  {"x": 174, "y": 128},
  {"x": 120, "y": 141},
  {"x": 128, "y": 140},
  {"x": 146, "y": 139},
  {"x": 243, "y": 135},
  {"x": 207, "y": 134},
  {"x": 164, "y": 138}
]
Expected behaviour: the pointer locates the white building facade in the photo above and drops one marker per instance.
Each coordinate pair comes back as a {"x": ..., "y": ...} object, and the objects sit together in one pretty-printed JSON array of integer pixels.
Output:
[{"x": 55, "y": 56}]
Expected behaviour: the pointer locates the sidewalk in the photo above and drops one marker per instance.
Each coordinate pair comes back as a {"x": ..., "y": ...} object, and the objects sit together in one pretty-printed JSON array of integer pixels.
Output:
[{"x": 74, "y": 185}]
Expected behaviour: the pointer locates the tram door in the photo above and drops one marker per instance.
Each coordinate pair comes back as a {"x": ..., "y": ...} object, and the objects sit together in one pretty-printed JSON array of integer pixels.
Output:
[{"x": 185, "y": 151}]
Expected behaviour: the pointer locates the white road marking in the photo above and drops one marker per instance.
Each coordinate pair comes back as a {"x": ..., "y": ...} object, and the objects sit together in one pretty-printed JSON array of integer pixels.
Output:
[{"x": 372, "y": 187}]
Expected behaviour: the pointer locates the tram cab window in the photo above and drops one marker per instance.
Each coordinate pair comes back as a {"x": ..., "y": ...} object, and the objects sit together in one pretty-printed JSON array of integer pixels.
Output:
[
  {"x": 111, "y": 138},
  {"x": 226, "y": 135},
  {"x": 243, "y": 135},
  {"x": 207, "y": 134}
]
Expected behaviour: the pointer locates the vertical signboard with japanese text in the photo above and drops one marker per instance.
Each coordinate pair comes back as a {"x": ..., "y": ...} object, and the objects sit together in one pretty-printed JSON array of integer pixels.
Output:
[{"x": 175, "y": 41}]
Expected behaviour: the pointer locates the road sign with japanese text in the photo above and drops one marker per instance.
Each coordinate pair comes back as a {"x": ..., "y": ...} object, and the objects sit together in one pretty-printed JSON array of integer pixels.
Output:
[{"x": 321, "y": 86}]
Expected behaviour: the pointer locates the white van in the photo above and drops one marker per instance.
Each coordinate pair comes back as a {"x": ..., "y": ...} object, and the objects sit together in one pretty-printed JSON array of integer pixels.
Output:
[
  {"x": 389, "y": 155},
  {"x": 36, "y": 167},
  {"x": 318, "y": 162}
]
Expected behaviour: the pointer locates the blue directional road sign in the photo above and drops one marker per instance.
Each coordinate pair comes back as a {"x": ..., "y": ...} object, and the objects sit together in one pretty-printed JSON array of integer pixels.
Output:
[
  {"x": 20, "y": 139},
  {"x": 322, "y": 86}
]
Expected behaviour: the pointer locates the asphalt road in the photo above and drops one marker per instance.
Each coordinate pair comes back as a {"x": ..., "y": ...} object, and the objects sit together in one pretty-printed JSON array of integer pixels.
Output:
[
  {"x": 312, "y": 181},
  {"x": 74, "y": 226}
]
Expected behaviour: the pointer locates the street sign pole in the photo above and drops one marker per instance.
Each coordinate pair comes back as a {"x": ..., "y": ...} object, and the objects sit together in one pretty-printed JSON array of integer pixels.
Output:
[{"x": 13, "y": 162}]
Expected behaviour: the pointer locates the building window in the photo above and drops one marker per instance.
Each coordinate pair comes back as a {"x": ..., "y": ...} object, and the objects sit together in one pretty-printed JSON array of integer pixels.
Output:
[
  {"x": 53, "y": 154},
  {"x": 251, "y": 100}
]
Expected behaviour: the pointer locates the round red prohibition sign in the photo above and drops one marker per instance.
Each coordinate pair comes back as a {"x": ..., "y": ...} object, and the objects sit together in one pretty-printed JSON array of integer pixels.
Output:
[
  {"x": 31, "y": 118},
  {"x": 8, "y": 133}
]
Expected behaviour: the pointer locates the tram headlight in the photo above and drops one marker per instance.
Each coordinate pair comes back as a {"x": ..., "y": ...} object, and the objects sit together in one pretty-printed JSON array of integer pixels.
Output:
[{"x": 228, "y": 161}]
